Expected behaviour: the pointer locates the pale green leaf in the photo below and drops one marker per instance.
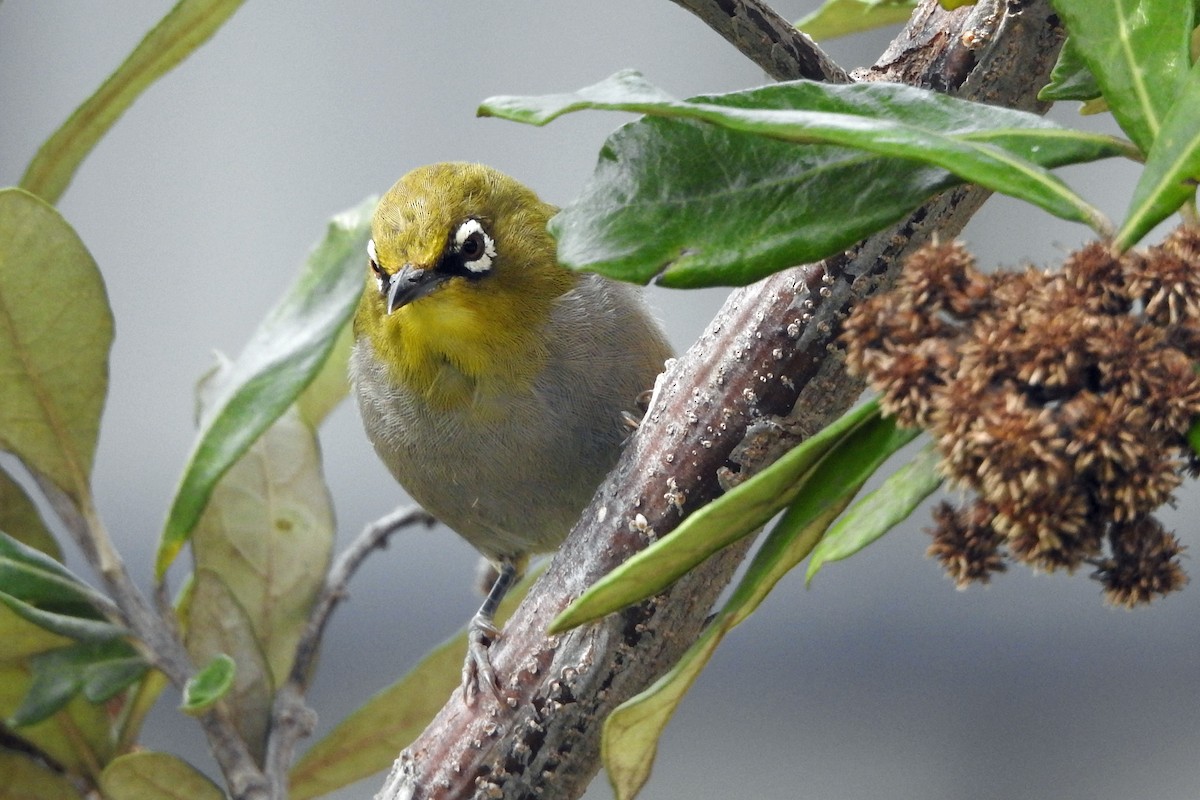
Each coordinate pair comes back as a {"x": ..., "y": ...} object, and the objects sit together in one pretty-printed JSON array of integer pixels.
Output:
[
  {"x": 22, "y": 638},
  {"x": 208, "y": 685},
  {"x": 283, "y": 357},
  {"x": 76, "y": 737},
  {"x": 60, "y": 675},
  {"x": 737, "y": 513},
  {"x": 368, "y": 740},
  {"x": 878, "y": 512},
  {"x": 836, "y": 18},
  {"x": 148, "y": 775},
  {"x": 55, "y": 333},
  {"x": 1172, "y": 167},
  {"x": 20, "y": 519},
  {"x": 218, "y": 628},
  {"x": 1138, "y": 53},
  {"x": 185, "y": 27},
  {"x": 268, "y": 532}
]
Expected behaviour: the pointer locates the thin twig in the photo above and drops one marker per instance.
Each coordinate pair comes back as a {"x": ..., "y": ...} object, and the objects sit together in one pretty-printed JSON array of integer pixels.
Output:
[{"x": 291, "y": 718}]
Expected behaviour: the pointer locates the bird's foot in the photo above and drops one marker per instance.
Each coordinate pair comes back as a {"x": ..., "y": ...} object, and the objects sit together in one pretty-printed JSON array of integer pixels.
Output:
[{"x": 477, "y": 669}]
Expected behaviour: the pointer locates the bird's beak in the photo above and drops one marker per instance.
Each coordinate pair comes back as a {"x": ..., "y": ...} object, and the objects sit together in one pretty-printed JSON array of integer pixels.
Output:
[{"x": 410, "y": 284}]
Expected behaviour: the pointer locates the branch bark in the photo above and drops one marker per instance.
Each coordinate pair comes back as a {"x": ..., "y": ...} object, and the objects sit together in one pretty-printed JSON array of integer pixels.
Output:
[{"x": 764, "y": 375}]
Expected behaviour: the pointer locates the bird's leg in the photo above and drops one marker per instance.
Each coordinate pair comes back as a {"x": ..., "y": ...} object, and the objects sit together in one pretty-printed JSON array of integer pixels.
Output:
[{"x": 482, "y": 632}]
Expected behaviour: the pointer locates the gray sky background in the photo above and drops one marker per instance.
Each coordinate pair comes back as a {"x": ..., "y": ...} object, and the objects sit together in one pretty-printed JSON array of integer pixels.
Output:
[{"x": 881, "y": 681}]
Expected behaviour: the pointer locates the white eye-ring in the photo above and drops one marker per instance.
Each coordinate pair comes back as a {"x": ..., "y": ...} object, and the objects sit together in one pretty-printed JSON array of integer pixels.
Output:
[
  {"x": 473, "y": 244},
  {"x": 380, "y": 275}
]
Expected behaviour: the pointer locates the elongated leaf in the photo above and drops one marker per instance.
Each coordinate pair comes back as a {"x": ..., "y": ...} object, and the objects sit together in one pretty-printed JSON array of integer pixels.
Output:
[
  {"x": 282, "y": 358},
  {"x": 77, "y": 737},
  {"x": 218, "y": 627},
  {"x": 156, "y": 776},
  {"x": 185, "y": 27},
  {"x": 20, "y": 519},
  {"x": 698, "y": 205},
  {"x": 367, "y": 741},
  {"x": 739, "y": 512},
  {"x": 268, "y": 532},
  {"x": 208, "y": 685},
  {"x": 1071, "y": 79},
  {"x": 1172, "y": 167},
  {"x": 1137, "y": 50},
  {"x": 59, "y": 675},
  {"x": 844, "y": 17},
  {"x": 631, "y": 733},
  {"x": 55, "y": 333},
  {"x": 71, "y": 625},
  {"x": 878, "y": 512},
  {"x": 33, "y": 577},
  {"x": 22, "y": 778}
]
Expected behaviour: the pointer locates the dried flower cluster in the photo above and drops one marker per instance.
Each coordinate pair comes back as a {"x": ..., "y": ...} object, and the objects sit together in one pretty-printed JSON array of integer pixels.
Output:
[{"x": 1061, "y": 399}]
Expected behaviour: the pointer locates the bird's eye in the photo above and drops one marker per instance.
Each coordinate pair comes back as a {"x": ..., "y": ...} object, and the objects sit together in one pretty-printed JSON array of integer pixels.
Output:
[{"x": 474, "y": 247}]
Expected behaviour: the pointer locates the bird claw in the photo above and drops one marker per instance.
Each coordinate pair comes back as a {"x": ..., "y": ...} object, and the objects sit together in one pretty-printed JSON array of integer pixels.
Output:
[{"x": 477, "y": 668}]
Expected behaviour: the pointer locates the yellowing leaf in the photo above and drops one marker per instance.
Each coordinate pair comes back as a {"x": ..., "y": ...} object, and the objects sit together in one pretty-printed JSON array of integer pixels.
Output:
[
  {"x": 19, "y": 518},
  {"x": 55, "y": 332},
  {"x": 156, "y": 776},
  {"x": 22, "y": 778},
  {"x": 268, "y": 532}
]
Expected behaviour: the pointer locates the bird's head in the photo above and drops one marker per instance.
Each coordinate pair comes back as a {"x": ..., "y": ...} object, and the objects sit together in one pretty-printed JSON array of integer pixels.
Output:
[{"x": 461, "y": 270}]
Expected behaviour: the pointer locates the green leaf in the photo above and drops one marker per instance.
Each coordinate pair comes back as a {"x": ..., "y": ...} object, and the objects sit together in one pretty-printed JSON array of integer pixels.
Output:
[
  {"x": 218, "y": 627},
  {"x": 367, "y": 740},
  {"x": 59, "y": 675},
  {"x": 1172, "y": 167},
  {"x": 20, "y": 519},
  {"x": 71, "y": 625},
  {"x": 1071, "y": 79},
  {"x": 268, "y": 532},
  {"x": 844, "y": 17},
  {"x": 1137, "y": 50},
  {"x": 726, "y": 202},
  {"x": 55, "y": 333},
  {"x": 631, "y": 733},
  {"x": 104, "y": 679},
  {"x": 156, "y": 776},
  {"x": 739, "y": 512},
  {"x": 187, "y": 26},
  {"x": 208, "y": 685},
  {"x": 78, "y": 737},
  {"x": 33, "y": 577},
  {"x": 282, "y": 358},
  {"x": 878, "y": 512},
  {"x": 22, "y": 778},
  {"x": 332, "y": 383}
]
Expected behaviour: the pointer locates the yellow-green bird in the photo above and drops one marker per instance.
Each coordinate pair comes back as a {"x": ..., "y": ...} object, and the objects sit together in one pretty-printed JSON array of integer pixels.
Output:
[{"x": 491, "y": 380}]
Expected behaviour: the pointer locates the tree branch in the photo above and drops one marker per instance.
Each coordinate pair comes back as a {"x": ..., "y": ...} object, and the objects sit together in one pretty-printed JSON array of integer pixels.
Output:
[
  {"x": 763, "y": 376},
  {"x": 767, "y": 39}
]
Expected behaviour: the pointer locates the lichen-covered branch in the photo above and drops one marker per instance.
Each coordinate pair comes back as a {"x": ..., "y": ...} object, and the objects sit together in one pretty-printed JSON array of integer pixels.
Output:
[{"x": 764, "y": 375}]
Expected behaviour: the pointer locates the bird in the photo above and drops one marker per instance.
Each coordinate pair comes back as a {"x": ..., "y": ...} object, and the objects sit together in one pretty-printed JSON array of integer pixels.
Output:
[{"x": 494, "y": 383}]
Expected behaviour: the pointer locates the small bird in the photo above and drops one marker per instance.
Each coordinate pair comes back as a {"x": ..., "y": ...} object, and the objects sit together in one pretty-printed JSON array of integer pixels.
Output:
[{"x": 492, "y": 381}]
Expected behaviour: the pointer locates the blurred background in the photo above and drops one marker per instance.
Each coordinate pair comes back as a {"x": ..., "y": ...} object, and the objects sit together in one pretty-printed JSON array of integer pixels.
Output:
[{"x": 880, "y": 681}]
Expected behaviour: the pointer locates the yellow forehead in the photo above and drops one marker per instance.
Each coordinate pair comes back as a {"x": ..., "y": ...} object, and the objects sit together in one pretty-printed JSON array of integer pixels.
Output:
[{"x": 416, "y": 217}]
